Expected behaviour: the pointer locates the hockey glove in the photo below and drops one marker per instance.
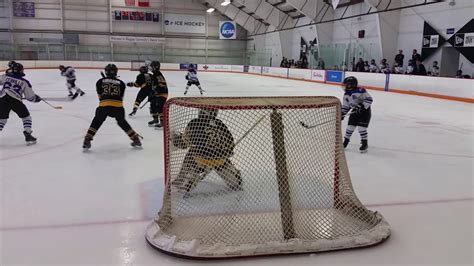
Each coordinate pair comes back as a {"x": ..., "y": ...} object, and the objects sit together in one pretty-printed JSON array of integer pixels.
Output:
[
  {"x": 131, "y": 84},
  {"x": 37, "y": 99}
]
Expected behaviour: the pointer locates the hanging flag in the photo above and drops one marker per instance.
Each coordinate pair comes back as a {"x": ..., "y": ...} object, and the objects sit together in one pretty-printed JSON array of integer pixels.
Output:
[
  {"x": 144, "y": 3},
  {"x": 335, "y": 3},
  {"x": 130, "y": 2}
]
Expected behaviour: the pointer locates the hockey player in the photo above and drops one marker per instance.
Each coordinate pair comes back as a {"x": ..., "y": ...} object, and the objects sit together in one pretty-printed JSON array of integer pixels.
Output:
[
  {"x": 373, "y": 68},
  {"x": 210, "y": 145},
  {"x": 14, "y": 89},
  {"x": 358, "y": 101},
  {"x": 158, "y": 96},
  {"x": 192, "y": 79},
  {"x": 143, "y": 82},
  {"x": 70, "y": 74},
  {"x": 110, "y": 90},
  {"x": 435, "y": 69},
  {"x": 10, "y": 66}
]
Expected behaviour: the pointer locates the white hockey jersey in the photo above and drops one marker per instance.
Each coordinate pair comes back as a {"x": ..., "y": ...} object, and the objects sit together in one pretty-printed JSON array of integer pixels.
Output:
[
  {"x": 69, "y": 73},
  {"x": 192, "y": 76},
  {"x": 16, "y": 86},
  {"x": 356, "y": 97}
]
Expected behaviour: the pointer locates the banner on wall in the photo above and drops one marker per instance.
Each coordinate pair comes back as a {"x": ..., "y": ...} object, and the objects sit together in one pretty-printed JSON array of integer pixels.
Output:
[
  {"x": 24, "y": 9},
  {"x": 334, "y": 76},
  {"x": 129, "y": 2},
  {"x": 136, "y": 16},
  {"x": 463, "y": 40},
  {"x": 432, "y": 40},
  {"x": 136, "y": 39},
  {"x": 318, "y": 75},
  {"x": 227, "y": 30},
  {"x": 144, "y": 3},
  {"x": 185, "y": 23}
]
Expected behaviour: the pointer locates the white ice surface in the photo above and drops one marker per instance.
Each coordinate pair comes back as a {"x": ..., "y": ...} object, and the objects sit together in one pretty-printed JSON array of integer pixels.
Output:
[{"x": 65, "y": 207}]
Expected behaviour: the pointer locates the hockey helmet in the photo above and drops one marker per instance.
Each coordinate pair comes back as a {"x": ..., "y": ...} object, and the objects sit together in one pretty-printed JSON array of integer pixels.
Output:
[
  {"x": 143, "y": 69},
  {"x": 350, "y": 83},
  {"x": 155, "y": 66},
  {"x": 61, "y": 67},
  {"x": 190, "y": 66},
  {"x": 111, "y": 71},
  {"x": 17, "y": 68},
  {"x": 11, "y": 63},
  {"x": 208, "y": 113}
]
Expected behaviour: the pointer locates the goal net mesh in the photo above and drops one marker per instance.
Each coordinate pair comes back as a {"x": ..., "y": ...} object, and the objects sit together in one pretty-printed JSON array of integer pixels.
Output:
[{"x": 265, "y": 176}]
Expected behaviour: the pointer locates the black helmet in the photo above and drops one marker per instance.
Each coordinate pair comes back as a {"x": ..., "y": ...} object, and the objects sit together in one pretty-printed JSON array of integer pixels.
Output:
[
  {"x": 61, "y": 67},
  {"x": 17, "y": 68},
  {"x": 190, "y": 66},
  {"x": 155, "y": 66},
  {"x": 350, "y": 82},
  {"x": 143, "y": 69},
  {"x": 11, "y": 63},
  {"x": 208, "y": 113},
  {"x": 111, "y": 70}
]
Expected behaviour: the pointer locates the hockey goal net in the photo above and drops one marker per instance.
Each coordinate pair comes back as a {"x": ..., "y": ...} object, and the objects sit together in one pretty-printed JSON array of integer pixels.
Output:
[{"x": 277, "y": 184}]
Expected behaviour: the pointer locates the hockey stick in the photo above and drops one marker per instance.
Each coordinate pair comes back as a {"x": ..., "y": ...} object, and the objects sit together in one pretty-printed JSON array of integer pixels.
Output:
[
  {"x": 55, "y": 107},
  {"x": 303, "y": 124},
  {"x": 102, "y": 74},
  {"x": 250, "y": 129},
  {"x": 143, "y": 105}
]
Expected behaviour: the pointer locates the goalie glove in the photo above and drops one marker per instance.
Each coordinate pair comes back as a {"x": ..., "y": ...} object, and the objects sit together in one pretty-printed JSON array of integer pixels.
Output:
[{"x": 178, "y": 140}]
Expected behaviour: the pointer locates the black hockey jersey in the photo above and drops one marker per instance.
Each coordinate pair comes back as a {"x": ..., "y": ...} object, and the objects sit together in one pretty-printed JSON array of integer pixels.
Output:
[
  {"x": 110, "y": 92},
  {"x": 144, "y": 81},
  {"x": 160, "y": 87}
]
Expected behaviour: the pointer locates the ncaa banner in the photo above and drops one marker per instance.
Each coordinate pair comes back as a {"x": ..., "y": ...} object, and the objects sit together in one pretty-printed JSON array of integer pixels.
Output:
[
  {"x": 227, "y": 30},
  {"x": 185, "y": 23}
]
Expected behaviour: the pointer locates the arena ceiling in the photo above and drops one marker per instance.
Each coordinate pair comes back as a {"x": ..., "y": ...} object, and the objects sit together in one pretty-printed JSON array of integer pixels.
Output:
[{"x": 262, "y": 16}]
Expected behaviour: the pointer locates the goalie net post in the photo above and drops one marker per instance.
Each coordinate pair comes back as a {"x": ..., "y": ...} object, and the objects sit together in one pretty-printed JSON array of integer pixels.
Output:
[
  {"x": 282, "y": 174},
  {"x": 297, "y": 196}
]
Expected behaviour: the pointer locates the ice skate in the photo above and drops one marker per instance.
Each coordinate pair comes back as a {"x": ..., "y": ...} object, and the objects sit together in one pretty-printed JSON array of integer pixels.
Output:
[
  {"x": 30, "y": 140},
  {"x": 87, "y": 143},
  {"x": 364, "y": 147}
]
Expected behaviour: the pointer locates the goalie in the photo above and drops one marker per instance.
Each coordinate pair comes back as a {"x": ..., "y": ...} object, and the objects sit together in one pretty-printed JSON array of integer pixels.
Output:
[{"x": 210, "y": 145}]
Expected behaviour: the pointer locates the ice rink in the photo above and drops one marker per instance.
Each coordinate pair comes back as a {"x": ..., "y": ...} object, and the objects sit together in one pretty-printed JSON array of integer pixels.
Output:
[{"x": 65, "y": 207}]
